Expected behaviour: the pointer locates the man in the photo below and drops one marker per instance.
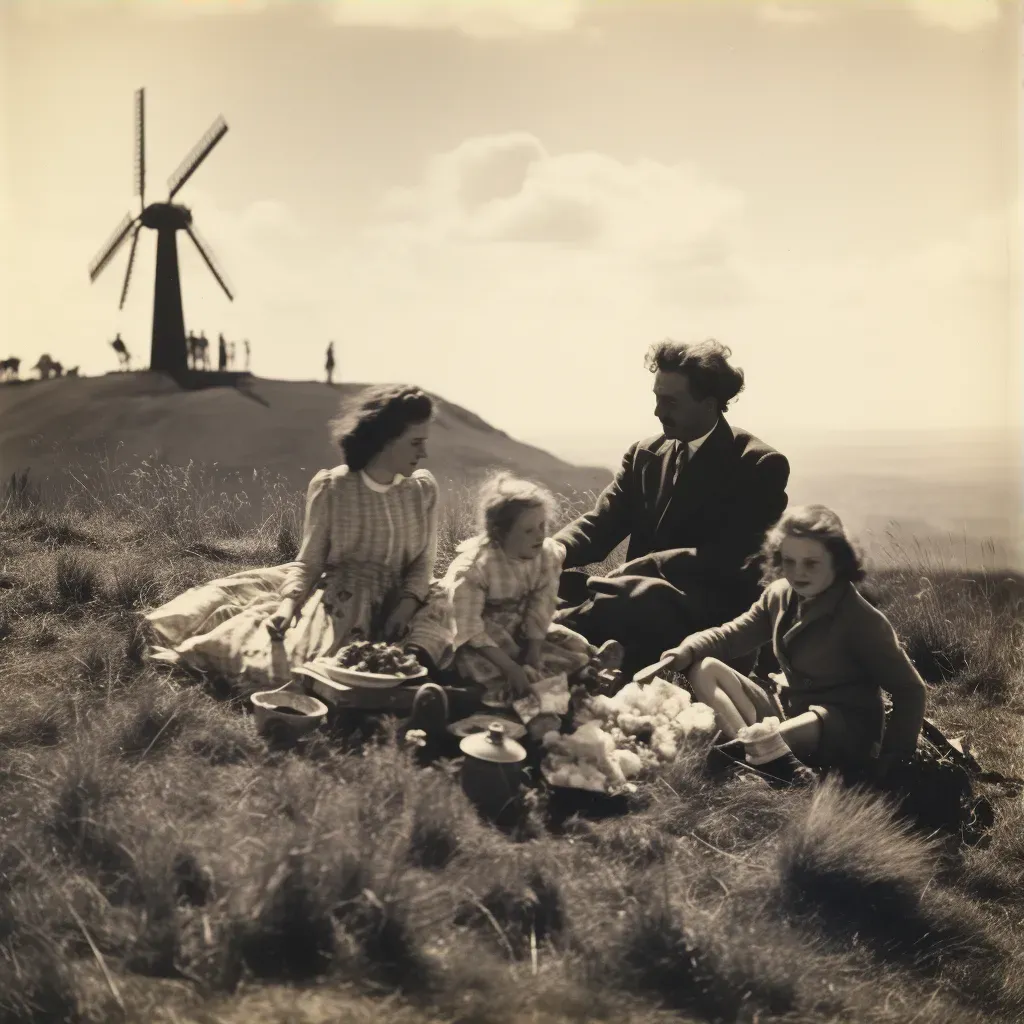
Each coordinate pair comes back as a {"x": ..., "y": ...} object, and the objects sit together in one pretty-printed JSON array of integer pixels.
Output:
[{"x": 695, "y": 502}]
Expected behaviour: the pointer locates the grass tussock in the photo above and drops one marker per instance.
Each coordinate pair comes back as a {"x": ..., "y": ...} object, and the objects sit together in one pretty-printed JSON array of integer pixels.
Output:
[
  {"x": 208, "y": 866},
  {"x": 76, "y": 581}
]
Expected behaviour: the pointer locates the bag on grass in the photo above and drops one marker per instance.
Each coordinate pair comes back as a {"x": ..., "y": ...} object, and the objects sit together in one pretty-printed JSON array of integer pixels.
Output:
[{"x": 938, "y": 787}]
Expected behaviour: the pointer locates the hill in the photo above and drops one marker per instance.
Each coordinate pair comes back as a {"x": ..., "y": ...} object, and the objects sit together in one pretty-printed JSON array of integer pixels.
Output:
[{"x": 271, "y": 426}]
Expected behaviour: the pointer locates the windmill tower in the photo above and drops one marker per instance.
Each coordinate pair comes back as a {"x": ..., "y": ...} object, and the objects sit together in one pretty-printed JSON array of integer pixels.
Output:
[{"x": 168, "y": 352}]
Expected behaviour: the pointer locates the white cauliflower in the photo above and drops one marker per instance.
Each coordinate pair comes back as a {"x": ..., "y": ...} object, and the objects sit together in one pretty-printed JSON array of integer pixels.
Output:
[{"x": 606, "y": 749}]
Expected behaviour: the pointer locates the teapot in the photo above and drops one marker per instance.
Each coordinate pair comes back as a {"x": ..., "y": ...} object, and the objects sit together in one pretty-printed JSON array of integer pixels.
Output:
[{"x": 490, "y": 775}]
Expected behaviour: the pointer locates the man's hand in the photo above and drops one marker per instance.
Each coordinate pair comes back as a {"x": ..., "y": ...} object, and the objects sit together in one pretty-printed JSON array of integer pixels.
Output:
[
  {"x": 398, "y": 621},
  {"x": 278, "y": 623}
]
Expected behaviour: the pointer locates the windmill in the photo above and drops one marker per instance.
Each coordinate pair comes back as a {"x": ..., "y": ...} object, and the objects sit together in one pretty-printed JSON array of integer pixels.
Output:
[{"x": 168, "y": 352}]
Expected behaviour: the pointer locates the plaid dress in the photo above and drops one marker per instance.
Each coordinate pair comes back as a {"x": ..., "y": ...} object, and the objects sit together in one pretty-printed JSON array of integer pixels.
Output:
[
  {"x": 364, "y": 546},
  {"x": 497, "y": 601}
]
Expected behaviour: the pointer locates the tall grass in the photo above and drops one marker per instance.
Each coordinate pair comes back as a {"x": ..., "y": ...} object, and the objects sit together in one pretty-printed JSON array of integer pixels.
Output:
[{"x": 157, "y": 854}]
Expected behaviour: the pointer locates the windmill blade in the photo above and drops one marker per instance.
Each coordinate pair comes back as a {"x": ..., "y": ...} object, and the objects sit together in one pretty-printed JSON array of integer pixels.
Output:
[
  {"x": 131, "y": 263},
  {"x": 140, "y": 145},
  {"x": 108, "y": 251},
  {"x": 200, "y": 151},
  {"x": 207, "y": 255}
]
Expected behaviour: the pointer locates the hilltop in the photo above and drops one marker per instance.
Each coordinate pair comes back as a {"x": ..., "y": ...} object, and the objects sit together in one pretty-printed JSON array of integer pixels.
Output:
[{"x": 273, "y": 426}]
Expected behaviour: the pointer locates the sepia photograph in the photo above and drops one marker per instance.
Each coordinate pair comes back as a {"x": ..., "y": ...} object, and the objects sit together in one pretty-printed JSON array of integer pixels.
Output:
[{"x": 511, "y": 512}]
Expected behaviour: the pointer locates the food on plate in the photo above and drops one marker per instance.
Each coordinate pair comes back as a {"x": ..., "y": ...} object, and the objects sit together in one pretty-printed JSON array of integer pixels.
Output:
[
  {"x": 619, "y": 737},
  {"x": 378, "y": 658}
]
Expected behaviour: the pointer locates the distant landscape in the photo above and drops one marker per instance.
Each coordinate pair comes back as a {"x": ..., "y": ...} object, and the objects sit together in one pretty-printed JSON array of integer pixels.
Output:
[{"x": 953, "y": 500}]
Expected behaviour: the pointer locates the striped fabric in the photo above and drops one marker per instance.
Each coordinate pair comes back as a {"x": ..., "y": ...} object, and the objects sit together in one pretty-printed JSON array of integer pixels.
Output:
[{"x": 352, "y": 520}]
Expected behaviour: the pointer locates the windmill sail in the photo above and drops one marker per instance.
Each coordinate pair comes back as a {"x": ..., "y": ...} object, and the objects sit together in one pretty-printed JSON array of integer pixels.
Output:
[
  {"x": 131, "y": 263},
  {"x": 140, "y": 145},
  {"x": 200, "y": 151},
  {"x": 204, "y": 251},
  {"x": 114, "y": 243}
]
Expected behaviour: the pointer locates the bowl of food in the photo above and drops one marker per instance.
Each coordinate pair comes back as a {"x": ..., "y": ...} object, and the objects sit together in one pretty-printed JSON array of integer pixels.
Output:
[
  {"x": 287, "y": 711},
  {"x": 363, "y": 665}
]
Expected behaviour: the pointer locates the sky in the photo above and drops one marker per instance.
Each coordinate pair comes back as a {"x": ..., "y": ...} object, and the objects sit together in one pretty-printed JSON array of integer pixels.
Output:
[{"x": 508, "y": 201}]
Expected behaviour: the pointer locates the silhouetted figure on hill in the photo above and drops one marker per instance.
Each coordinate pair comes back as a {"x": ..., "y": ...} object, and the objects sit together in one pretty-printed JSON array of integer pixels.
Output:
[
  {"x": 231, "y": 355},
  {"x": 222, "y": 353},
  {"x": 124, "y": 357},
  {"x": 329, "y": 365},
  {"x": 46, "y": 367},
  {"x": 9, "y": 367},
  {"x": 203, "y": 350},
  {"x": 248, "y": 354}
]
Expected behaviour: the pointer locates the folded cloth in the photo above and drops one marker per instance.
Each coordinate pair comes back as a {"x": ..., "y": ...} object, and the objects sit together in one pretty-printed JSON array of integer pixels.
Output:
[{"x": 763, "y": 741}]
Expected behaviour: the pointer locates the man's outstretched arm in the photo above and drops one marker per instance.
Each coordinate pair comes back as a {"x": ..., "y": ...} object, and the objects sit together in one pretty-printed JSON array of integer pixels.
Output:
[{"x": 594, "y": 536}]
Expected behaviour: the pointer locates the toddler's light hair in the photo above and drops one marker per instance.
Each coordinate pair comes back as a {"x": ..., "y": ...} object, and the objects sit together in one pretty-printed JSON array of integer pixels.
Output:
[{"x": 503, "y": 497}]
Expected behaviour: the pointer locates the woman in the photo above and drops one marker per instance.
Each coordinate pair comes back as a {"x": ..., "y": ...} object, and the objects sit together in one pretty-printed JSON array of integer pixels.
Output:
[
  {"x": 363, "y": 570},
  {"x": 836, "y": 651}
]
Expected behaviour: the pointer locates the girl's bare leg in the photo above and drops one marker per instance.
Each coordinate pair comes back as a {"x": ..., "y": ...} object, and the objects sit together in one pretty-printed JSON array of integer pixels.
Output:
[{"x": 714, "y": 684}]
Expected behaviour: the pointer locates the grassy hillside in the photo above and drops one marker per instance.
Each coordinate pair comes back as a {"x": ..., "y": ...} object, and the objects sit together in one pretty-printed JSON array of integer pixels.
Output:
[
  {"x": 160, "y": 862},
  {"x": 275, "y": 427}
]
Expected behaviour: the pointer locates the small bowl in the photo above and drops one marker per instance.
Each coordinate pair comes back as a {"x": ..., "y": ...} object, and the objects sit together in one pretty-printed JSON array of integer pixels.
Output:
[{"x": 304, "y": 715}]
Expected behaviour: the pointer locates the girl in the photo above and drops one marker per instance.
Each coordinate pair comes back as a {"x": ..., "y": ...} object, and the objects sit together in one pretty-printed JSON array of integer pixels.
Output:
[
  {"x": 501, "y": 590},
  {"x": 836, "y": 651}
]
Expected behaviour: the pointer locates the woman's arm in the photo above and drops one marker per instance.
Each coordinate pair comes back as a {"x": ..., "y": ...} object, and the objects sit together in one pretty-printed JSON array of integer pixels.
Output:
[{"x": 316, "y": 535}]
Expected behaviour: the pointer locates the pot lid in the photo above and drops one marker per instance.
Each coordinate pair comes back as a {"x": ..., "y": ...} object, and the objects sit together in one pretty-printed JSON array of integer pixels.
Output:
[
  {"x": 480, "y": 723},
  {"x": 493, "y": 745}
]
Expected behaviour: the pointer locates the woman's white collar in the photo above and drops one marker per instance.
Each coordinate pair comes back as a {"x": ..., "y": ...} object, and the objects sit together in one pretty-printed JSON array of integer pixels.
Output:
[{"x": 378, "y": 487}]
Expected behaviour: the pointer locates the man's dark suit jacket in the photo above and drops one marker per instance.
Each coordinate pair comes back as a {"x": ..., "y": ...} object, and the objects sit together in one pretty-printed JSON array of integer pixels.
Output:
[{"x": 702, "y": 531}]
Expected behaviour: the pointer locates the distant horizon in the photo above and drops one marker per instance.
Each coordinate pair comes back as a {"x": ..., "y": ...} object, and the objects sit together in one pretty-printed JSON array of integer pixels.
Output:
[{"x": 604, "y": 449}]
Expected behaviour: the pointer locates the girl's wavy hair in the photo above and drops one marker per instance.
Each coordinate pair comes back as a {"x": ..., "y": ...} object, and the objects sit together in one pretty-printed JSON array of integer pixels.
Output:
[
  {"x": 382, "y": 414},
  {"x": 503, "y": 497},
  {"x": 813, "y": 522}
]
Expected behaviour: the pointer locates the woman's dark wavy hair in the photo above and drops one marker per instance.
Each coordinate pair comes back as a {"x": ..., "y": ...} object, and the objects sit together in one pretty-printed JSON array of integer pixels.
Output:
[
  {"x": 704, "y": 363},
  {"x": 814, "y": 522},
  {"x": 382, "y": 414}
]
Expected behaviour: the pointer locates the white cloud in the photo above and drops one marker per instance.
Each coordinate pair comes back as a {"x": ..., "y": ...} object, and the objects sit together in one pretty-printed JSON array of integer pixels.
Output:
[
  {"x": 959, "y": 15},
  {"x": 474, "y": 17},
  {"x": 483, "y": 18},
  {"x": 508, "y": 188}
]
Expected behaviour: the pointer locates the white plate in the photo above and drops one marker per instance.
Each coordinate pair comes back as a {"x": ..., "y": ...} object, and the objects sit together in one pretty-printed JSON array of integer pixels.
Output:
[{"x": 349, "y": 678}]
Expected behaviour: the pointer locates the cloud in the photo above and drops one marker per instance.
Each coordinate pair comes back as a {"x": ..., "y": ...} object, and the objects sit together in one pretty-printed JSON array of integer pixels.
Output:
[
  {"x": 959, "y": 15},
  {"x": 482, "y": 18},
  {"x": 509, "y": 189}
]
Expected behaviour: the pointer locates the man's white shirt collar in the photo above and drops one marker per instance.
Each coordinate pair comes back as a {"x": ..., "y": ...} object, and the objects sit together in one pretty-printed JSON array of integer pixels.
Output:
[{"x": 694, "y": 445}]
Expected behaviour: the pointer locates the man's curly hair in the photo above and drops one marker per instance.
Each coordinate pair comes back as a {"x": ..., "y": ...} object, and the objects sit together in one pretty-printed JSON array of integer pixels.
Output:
[{"x": 704, "y": 363}]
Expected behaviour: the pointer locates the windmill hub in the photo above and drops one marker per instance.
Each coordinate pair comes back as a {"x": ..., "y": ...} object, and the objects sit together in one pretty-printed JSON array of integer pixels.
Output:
[
  {"x": 167, "y": 216},
  {"x": 168, "y": 352}
]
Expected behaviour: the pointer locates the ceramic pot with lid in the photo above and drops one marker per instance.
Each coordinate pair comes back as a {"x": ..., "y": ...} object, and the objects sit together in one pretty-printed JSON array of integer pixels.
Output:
[{"x": 491, "y": 771}]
